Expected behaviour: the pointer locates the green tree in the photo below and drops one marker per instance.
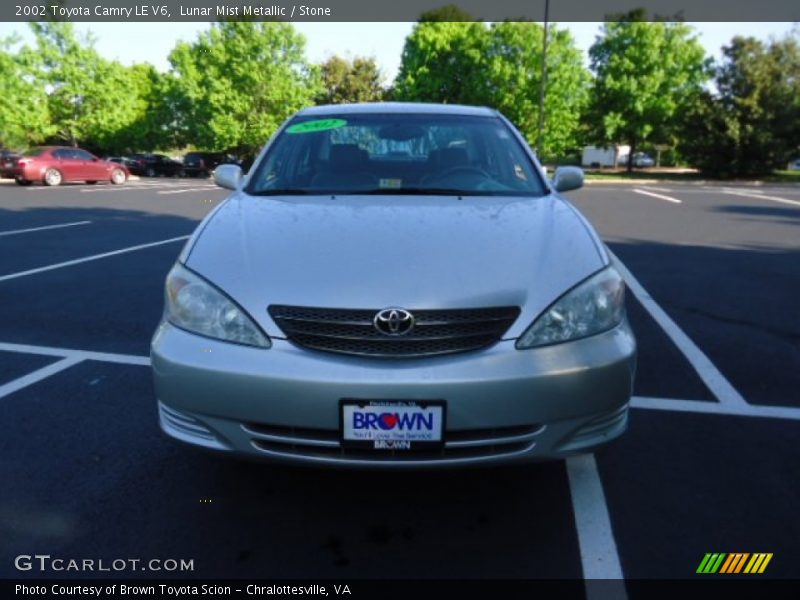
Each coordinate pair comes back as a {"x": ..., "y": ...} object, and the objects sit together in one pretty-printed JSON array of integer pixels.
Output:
[
  {"x": 117, "y": 108},
  {"x": 346, "y": 81},
  {"x": 91, "y": 101},
  {"x": 751, "y": 124},
  {"x": 71, "y": 70},
  {"x": 443, "y": 62},
  {"x": 24, "y": 117},
  {"x": 143, "y": 118},
  {"x": 151, "y": 123},
  {"x": 498, "y": 66},
  {"x": 238, "y": 81},
  {"x": 449, "y": 13},
  {"x": 646, "y": 75},
  {"x": 513, "y": 71}
]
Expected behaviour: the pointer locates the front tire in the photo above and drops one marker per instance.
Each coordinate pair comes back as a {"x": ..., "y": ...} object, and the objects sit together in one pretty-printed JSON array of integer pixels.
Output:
[
  {"x": 21, "y": 181},
  {"x": 150, "y": 172},
  {"x": 118, "y": 177},
  {"x": 53, "y": 177}
]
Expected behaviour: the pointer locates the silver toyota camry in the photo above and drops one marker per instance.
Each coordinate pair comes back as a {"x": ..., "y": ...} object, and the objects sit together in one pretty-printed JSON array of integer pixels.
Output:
[{"x": 395, "y": 285}]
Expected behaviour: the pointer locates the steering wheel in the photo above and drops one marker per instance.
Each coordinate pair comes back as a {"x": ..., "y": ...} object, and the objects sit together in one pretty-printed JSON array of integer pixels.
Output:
[{"x": 456, "y": 170}]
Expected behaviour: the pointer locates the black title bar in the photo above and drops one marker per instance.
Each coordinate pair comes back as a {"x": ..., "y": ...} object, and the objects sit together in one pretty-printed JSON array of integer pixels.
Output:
[
  {"x": 391, "y": 10},
  {"x": 731, "y": 588}
]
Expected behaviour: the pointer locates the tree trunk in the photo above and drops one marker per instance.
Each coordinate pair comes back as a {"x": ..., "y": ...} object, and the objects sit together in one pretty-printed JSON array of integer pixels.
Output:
[{"x": 630, "y": 156}]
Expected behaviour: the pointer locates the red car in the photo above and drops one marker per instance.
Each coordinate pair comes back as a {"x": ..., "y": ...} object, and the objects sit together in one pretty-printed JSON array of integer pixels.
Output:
[{"x": 53, "y": 165}]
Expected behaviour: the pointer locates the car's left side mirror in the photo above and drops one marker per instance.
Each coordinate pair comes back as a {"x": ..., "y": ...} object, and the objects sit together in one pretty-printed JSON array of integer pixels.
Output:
[
  {"x": 228, "y": 176},
  {"x": 567, "y": 178}
]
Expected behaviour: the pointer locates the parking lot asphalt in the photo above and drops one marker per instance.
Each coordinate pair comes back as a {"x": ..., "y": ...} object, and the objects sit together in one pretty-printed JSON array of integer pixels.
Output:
[{"x": 710, "y": 463}]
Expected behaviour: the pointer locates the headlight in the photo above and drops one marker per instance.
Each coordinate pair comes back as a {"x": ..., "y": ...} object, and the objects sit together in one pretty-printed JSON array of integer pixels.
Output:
[
  {"x": 193, "y": 304},
  {"x": 594, "y": 306}
]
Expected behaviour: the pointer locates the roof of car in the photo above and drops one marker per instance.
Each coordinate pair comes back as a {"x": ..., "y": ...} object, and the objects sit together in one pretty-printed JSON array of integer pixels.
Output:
[{"x": 398, "y": 108}]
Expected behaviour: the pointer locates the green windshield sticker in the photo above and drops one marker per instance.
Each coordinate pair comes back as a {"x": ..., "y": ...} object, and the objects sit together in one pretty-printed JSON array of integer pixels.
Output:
[{"x": 314, "y": 126}]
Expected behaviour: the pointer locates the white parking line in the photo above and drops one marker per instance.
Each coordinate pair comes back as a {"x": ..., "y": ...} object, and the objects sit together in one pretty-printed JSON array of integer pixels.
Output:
[
  {"x": 38, "y": 375},
  {"x": 78, "y": 261},
  {"x": 157, "y": 184},
  {"x": 761, "y": 197},
  {"x": 711, "y": 376},
  {"x": 111, "y": 357},
  {"x": 789, "y": 413},
  {"x": 186, "y": 190},
  {"x": 638, "y": 402},
  {"x": 130, "y": 188},
  {"x": 18, "y": 231},
  {"x": 147, "y": 186},
  {"x": 169, "y": 188},
  {"x": 659, "y": 196},
  {"x": 104, "y": 189},
  {"x": 599, "y": 556}
]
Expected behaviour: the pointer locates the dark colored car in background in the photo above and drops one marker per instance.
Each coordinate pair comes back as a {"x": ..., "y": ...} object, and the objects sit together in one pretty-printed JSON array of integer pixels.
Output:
[
  {"x": 7, "y": 160},
  {"x": 53, "y": 165},
  {"x": 130, "y": 163},
  {"x": 246, "y": 163},
  {"x": 201, "y": 164},
  {"x": 155, "y": 165}
]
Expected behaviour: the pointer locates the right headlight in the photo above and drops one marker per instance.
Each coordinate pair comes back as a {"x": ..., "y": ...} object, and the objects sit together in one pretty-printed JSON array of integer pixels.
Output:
[
  {"x": 193, "y": 304},
  {"x": 594, "y": 306}
]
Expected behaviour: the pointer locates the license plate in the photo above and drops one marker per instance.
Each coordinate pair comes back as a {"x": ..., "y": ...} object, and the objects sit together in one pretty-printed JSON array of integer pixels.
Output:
[{"x": 392, "y": 424}]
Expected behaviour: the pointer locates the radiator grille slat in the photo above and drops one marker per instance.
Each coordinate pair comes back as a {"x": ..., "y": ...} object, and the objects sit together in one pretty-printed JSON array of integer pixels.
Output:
[{"x": 435, "y": 332}]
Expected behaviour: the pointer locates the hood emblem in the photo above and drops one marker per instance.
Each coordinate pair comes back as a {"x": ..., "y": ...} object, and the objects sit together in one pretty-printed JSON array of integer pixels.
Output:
[{"x": 393, "y": 321}]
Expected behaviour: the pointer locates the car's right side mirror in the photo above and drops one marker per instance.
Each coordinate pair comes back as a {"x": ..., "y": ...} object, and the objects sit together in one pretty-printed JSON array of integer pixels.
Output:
[
  {"x": 567, "y": 178},
  {"x": 228, "y": 176}
]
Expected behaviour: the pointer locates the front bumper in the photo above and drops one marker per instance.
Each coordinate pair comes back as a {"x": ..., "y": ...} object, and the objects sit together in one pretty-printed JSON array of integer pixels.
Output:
[{"x": 503, "y": 405}]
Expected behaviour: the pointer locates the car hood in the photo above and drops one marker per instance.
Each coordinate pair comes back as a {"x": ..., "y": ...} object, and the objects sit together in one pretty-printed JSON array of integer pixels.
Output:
[{"x": 416, "y": 252}]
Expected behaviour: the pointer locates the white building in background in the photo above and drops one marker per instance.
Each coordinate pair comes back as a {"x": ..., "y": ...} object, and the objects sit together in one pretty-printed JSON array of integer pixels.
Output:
[{"x": 610, "y": 156}]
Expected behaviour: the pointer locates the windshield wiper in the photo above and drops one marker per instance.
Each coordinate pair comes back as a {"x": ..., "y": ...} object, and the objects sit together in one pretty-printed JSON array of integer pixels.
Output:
[
  {"x": 403, "y": 191},
  {"x": 281, "y": 192},
  {"x": 420, "y": 191}
]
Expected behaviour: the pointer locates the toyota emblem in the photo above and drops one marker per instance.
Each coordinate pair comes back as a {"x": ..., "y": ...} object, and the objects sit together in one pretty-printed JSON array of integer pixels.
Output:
[{"x": 393, "y": 321}]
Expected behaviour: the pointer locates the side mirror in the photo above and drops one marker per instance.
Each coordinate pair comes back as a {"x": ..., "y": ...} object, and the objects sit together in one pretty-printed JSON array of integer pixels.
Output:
[
  {"x": 228, "y": 176},
  {"x": 567, "y": 178}
]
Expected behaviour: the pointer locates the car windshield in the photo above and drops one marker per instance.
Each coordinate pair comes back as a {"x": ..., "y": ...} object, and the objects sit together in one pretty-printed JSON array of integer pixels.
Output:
[{"x": 396, "y": 154}]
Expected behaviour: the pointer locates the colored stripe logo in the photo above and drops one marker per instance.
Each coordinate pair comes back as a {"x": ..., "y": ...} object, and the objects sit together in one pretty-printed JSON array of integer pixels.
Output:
[{"x": 734, "y": 562}]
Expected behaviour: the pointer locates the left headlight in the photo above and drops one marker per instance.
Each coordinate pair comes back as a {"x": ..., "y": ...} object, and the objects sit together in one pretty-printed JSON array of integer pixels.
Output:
[
  {"x": 193, "y": 304},
  {"x": 594, "y": 306}
]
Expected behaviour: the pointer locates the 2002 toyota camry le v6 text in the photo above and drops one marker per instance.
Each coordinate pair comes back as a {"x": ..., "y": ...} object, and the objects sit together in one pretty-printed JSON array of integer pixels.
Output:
[{"x": 395, "y": 285}]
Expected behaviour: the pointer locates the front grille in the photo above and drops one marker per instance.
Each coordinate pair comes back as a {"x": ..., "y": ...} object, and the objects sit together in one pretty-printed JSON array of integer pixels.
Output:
[
  {"x": 435, "y": 332},
  {"x": 323, "y": 444}
]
